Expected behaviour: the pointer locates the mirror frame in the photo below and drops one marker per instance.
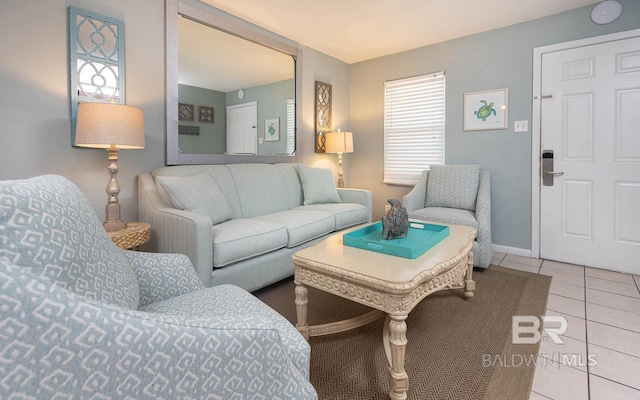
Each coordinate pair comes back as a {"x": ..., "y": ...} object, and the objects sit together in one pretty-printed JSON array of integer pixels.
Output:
[{"x": 217, "y": 19}]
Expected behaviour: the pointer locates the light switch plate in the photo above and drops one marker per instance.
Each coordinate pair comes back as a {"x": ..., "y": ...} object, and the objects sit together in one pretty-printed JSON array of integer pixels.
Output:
[{"x": 521, "y": 126}]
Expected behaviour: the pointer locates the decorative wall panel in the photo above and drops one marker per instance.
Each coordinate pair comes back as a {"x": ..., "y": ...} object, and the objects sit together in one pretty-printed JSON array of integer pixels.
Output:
[
  {"x": 323, "y": 114},
  {"x": 96, "y": 60}
]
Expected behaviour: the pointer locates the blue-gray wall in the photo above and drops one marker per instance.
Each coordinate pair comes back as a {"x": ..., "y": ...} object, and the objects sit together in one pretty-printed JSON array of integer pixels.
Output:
[
  {"x": 272, "y": 103},
  {"x": 34, "y": 108},
  {"x": 213, "y": 136},
  {"x": 35, "y": 129},
  {"x": 34, "y": 134},
  {"x": 495, "y": 59}
]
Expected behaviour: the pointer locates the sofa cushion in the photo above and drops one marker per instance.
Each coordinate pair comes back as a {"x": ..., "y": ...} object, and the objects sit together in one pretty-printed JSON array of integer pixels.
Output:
[
  {"x": 302, "y": 225},
  {"x": 227, "y": 302},
  {"x": 239, "y": 239},
  {"x": 197, "y": 193},
  {"x": 445, "y": 215},
  {"x": 48, "y": 226},
  {"x": 317, "y": 185},
  {"x": 345, "y": 214},
  {"x": 453, "y": 186},
  {"x": 262, "y": 189},
  {"x": 293, "y": 185}
]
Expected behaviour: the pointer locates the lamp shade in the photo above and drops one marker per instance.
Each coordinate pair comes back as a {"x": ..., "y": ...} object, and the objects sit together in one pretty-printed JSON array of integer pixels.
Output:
[
  {"x": 339, "y": 142},
  {"x": 108, "y": 125}
]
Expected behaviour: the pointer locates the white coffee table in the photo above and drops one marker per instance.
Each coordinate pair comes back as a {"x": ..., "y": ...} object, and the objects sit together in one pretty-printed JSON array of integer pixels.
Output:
[{"x": 390, "y": 285}]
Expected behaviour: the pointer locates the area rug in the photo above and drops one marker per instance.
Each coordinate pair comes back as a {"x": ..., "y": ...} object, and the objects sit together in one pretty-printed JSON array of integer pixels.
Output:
[{"x": 456, "y": 349}]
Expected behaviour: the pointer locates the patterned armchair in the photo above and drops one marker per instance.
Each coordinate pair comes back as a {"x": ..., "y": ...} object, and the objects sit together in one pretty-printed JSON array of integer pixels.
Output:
[
  {"x": 81, "y": 318},
  {"x": 455, "y": 194}
]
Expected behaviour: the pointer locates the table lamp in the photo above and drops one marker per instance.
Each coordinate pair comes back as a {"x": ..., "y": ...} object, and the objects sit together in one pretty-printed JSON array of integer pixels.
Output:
[
  {"x": 112, "y": 127},
  {"x": 339, "y": 142}
]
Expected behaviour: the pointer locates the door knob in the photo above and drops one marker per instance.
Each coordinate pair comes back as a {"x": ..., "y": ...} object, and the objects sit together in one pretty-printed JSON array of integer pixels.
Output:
[{"x": 547, "y": 168}]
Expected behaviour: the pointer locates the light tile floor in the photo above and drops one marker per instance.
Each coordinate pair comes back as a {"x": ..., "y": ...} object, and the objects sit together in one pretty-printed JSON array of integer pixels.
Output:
[{"x": 600, "y": 357}]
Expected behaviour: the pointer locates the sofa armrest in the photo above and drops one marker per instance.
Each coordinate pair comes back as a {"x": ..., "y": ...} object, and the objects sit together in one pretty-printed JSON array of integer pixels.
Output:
[
  {"x": 66, "y": 345},
  {"x": 162, "y": 276},
  {"x": 416, "y": 198},
  {"x": 175, "y": 231},
  {"x": 359, "y": 196}
]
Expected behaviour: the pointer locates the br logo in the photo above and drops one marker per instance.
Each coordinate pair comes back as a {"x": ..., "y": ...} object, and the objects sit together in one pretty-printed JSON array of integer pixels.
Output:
[{"x": 525, "y": 329}]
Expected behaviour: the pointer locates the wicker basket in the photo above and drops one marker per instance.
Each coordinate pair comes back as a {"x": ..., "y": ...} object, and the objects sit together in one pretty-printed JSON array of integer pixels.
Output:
[{"x": 135, "y": 234}]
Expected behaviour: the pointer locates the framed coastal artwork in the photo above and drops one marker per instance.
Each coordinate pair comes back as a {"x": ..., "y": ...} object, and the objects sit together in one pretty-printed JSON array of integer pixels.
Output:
[
  {"x": 486, "y": 110},
  {"x": 272, "y": 129}
]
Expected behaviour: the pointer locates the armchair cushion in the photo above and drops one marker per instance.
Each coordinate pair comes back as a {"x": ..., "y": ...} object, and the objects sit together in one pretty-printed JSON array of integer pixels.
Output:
[
  {"x": 318, "y": 185},
  {"x": 228, "y": 302},
  {"x": 446, "y": 215},
  {"x": 49, "y": 227},
  {"x": 58, "y": 344},
  {"x": 453, "y": 186},
  {"x": 198, "y": 193},
  {"x": 162, "y": 275}
]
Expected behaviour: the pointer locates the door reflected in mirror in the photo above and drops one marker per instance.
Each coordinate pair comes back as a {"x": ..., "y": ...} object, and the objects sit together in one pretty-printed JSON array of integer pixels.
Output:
[{"x": 233, "y": 86}]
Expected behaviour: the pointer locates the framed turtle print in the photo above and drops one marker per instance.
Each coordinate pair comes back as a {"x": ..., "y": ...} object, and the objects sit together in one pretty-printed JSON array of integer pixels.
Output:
[
  {"x": 272, "y": 129},
  {"x": 486, "y": 110}
]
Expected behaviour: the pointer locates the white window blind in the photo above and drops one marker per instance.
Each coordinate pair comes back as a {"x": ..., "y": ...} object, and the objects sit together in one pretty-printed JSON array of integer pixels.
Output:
[
  {"x": 414, "y": 120},
  {"x": 291, "y": 126}
]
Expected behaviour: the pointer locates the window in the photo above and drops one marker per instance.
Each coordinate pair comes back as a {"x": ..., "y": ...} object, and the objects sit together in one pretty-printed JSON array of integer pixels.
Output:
[
  {"x": 291, "y": 126},
  {"x": 413, "y": 127}
]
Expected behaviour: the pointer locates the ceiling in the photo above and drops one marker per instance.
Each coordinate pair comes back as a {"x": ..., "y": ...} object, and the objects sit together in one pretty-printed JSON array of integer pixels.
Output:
[
  {"x": 357, "y": 30},
  {"x": 244, "y": 64}
]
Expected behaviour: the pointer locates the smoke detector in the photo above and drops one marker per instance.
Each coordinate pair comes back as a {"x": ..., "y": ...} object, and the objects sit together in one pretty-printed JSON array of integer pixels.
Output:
[{"x": 606, "y": 12}]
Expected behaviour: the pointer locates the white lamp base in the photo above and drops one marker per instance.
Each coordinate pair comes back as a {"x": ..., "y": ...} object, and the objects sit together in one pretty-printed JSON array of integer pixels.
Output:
[{"x": 340, "y": 171}]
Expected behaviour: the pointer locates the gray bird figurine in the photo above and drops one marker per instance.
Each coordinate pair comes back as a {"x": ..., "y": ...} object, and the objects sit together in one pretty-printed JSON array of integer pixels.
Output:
[{"x": 395, "y": 224}]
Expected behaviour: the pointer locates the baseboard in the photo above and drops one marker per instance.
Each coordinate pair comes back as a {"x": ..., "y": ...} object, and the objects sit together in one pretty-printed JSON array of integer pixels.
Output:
[{"x": 511, "y": 250}]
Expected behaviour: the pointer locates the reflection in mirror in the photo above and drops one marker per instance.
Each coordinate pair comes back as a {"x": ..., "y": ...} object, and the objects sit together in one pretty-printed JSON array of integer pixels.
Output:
[
  {"x": 223, "y": 88},
  {"x": 211, "y": 76}
]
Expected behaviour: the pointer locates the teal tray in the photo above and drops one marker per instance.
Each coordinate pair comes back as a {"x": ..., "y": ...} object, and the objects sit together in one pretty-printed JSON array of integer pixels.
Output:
[{"x": 420, "y": 238}]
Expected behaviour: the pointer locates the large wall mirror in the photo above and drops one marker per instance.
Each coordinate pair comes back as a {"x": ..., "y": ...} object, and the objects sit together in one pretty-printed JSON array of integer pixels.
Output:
[{"x": 231, "y": 90}]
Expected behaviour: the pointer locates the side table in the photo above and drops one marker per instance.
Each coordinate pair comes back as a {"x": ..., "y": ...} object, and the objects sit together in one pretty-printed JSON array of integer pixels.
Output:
[{"x": 135, "y": 234}]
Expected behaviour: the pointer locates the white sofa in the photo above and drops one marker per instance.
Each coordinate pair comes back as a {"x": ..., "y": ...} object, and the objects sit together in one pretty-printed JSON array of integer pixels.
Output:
[{"x": 240, "y": 223}]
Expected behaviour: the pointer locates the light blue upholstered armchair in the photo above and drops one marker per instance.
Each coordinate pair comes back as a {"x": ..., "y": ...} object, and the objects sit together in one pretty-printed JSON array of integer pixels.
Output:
[
  {"x": 81, "y": 318},
  {"x": 459, "y": 195}
]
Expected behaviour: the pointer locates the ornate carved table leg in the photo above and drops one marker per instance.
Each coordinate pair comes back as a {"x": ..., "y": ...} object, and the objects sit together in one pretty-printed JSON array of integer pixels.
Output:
[
  {"x": 301, "y": 310},
  {"x": 394, "y": 337},
  {"x": 469, "y": 284}
]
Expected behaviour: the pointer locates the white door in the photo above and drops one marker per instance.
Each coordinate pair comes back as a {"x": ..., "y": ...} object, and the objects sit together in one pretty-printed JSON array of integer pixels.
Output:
[
  {"x": 242, "y": 128},
  {"x": 591, "y": 214}
]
